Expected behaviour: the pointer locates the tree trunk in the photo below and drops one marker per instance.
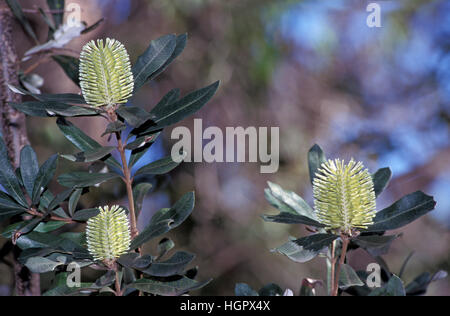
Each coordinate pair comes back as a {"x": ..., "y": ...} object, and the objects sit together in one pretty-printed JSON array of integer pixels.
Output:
[{"x": 14, "y": 133}]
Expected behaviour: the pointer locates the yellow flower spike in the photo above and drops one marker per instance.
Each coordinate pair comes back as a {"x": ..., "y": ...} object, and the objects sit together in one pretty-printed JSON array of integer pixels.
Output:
[
  {"x": 105, "y": 73},
  {"x": 108, "y": 234},
  {"x": 344, "y": 196}
]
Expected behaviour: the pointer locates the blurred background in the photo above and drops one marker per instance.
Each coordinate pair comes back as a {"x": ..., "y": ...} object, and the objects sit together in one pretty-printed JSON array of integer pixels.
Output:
[{"x": 319, "y": 73}]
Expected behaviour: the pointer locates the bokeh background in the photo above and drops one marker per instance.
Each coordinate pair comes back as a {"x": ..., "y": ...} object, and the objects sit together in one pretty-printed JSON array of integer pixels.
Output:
[{"x": 317, "y": 71}]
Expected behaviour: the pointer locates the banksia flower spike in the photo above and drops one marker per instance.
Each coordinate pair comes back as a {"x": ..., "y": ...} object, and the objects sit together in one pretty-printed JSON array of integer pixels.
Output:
[
  {"x": 344, "y": 196},
  {"x": 105, "y": 73},
  {"x": 108, "y": 234}
]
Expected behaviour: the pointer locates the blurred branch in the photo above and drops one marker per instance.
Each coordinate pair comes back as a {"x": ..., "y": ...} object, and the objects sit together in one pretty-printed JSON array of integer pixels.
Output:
[{"x": 14, "y": 133}]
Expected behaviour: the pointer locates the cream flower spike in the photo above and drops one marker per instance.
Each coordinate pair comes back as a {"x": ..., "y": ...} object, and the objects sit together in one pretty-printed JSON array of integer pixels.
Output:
[
  {"x": 108, "y": 234},
  {"x": 105, "y": 73},
  {"x": 344, "y": 196}
]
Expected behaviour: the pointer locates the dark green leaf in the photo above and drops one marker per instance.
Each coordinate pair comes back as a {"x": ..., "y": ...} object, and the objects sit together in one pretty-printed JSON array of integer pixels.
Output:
[
  {"x": 242, "y": 289},
  {"x": 61, "y": 197},
  {"x": 18, "y": 13},
  {"x": 270, "y": 289},
  {"x": 84, "y": 215},
  {"x": 9, "y": 208},
  {"x": 29, "y": 168},
  {"x": 375, "y": 245},
  {"x": 381, "y": 179},
  {"x": 164, "y": 246},
  {"x": 288, "y": 201},
  {"x": 73, "y": 201},
  {"x": 90, "y": 155},
  {"x": 8, "y": 177},
  {"x": 82, "y": 141},
  {"x": 43, "y": 178},
  {"x": 175, "y": 265},
  {"x": 403, "y": 212},
  {"x": 41, "y": 264},
  {"x": 316, "y": 158},
  {"x": 133, "y": 115},
  {"x": 139, "y": 192},
  {"x": 181, "y": 109},
  {"x": 180, "y": 45},
  {"x": 84, "y": 179},
  {"x": 154, "y": 57},
  {"x": 169, "y": 288},
  {"x": 140, "y": 150},
  {"x": 169, "y": 98},
  {"x": 289, "y": 218},
  {"x": 49, "y": 226},
  {"x": 61, "y": 98},
  {"x": 161, "y": 166},
  {"x": 57, "y": 5},
  {"x": 393, "y": 288},
  {"x": 419, "y": 285},
  {"x": 52, "y": 108},
  {"x": 306, "y": 248},
  {"x": 93, "y": 26},
  {"x": 114, "y": 127},
  {"x": 348, "y": 277},
  {"x": 166, "y": 219},
  {"x": 70, "y": 66}
]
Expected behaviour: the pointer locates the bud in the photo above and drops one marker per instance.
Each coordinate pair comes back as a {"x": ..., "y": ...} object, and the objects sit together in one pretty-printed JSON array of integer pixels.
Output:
[
  {"x": 108, "y": 233},
  {"x": 105, "y": 73},
  {"x": 344, "y": 197}
]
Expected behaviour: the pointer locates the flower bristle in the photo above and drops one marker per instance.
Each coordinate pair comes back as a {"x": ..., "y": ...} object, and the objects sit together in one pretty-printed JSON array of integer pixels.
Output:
[
  {"x": 105, "y": 73},
  {"x": 108, "y": 233},
  {"x": 344, "y": 196}
]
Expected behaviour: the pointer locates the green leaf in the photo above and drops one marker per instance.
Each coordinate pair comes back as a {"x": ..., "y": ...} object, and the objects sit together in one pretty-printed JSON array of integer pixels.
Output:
[
  {"x": 61, "y": 197},
  {"x": 64, "y": 290},
  {"x": 242, "y": 289},
  {"x": 381, "y": 179},
  {"x": 180, "y": 45},
  {"x": 419, "y": 285},
  {"x": 393, "y": 288},
  {"x": 316, "y": 158},
  {"x": 288, "y": 201},
  {"x": 139, "y": 147},
  {"x": 169, "y": 288},
  {"x": 70, "y": 65},
  {"x": 9, "y": 208},
  {"x": 8, "y": 177},
  {"x": 133, "y": 115},
  {"x": 29, "y": 168},
  {"x": 82, "y": 179},
  {"x": 41, "y": 264},
  {"x": 61, "y": 98},
  {"x": 139, "y": 192},
  {"x": 181, "y": 109},
  {"x": 164, "y": 246},
  {"x": 57, "y": 5},
  {"x": 306, "y": 248},
  {"x": 161, "y": 166},
  {"x": 114, "y": 127},
  {"x": 49, "y": 226},
  {"x": 90, "y": 155},
  {"x": 403, "y": 212},
  {"x": 43, "y": 178},
  {"x": 270, "y": 289},
  {"x": 175, "y": 265},
  {"x": 348, "y": 277},
  {"x": 375, "y": 245},
  {"x": 154, "y": 57},
  {"x": 84, "y": 215},
  {"x": 289, "y": 218},
  {"x": 82, "y": 141},
  {"x": 73, "y": 200},
  {"x": 169, "y": 98},
  {"x": 18, "y": 13},
  {"x": 53, "y": 108},
  {"x": 166, "y": 219}
]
